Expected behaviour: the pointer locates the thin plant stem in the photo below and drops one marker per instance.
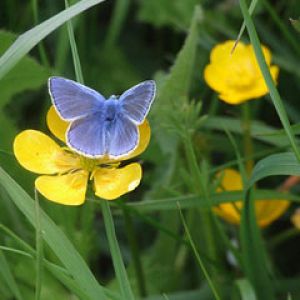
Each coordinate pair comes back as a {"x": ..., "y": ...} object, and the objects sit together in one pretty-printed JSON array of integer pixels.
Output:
[
  {"x": 41, "y": 48},
  {"x": 198, "y": 258},
  {"x": 39, "y": 248},
  {"x": 276, "y": 99},
  {"x": 201, "y": 189},
  {"x": 118, "y": 263},
  {"x": 134, "y": 249},
  {"x": 248, "y": 145},
  {"x": 251, "y": 10},
  {"x": 75, "y": 55}
]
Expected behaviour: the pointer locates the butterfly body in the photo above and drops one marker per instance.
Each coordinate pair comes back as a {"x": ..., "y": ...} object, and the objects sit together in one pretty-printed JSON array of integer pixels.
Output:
[{"x": 98, "y": 126}]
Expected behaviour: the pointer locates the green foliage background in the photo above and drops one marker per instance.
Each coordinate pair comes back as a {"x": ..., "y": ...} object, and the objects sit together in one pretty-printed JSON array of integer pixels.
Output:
[{"x": 171, "y": 244}]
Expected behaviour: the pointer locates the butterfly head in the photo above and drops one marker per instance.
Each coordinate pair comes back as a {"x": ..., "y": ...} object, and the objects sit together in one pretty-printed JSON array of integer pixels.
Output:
[{"x": 113, "y": 97}]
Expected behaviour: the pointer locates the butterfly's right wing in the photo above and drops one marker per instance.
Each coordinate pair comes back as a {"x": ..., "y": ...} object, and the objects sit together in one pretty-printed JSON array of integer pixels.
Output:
[
  {"x": 87, "y": 136},
  {"x": 73, "y": 100}
]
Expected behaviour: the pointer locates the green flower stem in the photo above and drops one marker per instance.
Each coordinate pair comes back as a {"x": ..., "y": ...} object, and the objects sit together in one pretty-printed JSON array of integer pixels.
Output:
[
  {"x": 276, "y": 99},
  {"x": 134, "y": 249},
  {"x": 206, "y": 214},
  {"x": 119, "y": 267},
  {"x": 248, "y": 145}
]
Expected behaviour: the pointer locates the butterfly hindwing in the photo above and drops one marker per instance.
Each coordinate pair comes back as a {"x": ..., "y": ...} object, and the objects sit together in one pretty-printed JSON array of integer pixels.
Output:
[
  {"x": 122, "y": 137},
  {"x": 87, "y": 135},
  {"x": 73, "y": 100},
  {"x": 136, "y": 101}
]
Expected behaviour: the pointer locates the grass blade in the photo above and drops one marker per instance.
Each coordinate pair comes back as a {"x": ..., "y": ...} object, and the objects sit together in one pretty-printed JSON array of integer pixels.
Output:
[
  {"x": 32, "y": 37},
  {"x": 39, "y": 248},
  {"x": 276, "y": 99},
  {"x": 8, "y": 277},
  {"x": 120, "y": 270},
  {"x": 276, "y": 164},
  {"x": 246, "y": 290},
  {"x": 75, "y": 55},
  {"x": 243, "y": 27},
  {"x": 55, "y": 238}
]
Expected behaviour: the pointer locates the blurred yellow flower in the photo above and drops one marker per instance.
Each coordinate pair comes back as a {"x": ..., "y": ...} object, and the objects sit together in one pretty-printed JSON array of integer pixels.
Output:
[
  {"x": 267, "y": 211},
  {"x": 66, "y": 174},
  {"x": 295, "y": 218},
  {"x": 236, "y": 76}
]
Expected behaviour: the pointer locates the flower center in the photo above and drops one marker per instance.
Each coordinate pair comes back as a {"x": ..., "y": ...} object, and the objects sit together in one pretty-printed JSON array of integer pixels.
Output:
[
  {"x": 88, "y": 164},
  {"x": 66, "y": 161}
]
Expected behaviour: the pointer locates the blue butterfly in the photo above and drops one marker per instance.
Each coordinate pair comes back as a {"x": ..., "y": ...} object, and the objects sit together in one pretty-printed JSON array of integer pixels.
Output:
[{"x": 98, "y": 126}]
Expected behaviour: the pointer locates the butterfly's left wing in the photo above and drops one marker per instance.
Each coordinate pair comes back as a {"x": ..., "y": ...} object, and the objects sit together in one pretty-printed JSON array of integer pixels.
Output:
[
  {"x": 73, "y": 100},
  {"x": 122, "y": 137},
  {"x": 87, "y": 136},
  {"x": 136, "y": 102}
]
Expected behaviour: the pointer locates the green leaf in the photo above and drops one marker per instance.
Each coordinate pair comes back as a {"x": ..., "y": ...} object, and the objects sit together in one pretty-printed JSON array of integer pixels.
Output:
[
  {"x": 32, "y": 37},
  {"x": 192, "y": 201},
  {"x": 259, "y": 131},
  {"x": 296, "y": 24},
  {"x": 55, "y": 238},
  {"x": 276, "y": 164},
  {"x": 119, "y": 267},
  {"x": 7, "y": 276},
  {"x": 246, "y": 290},
  {"x": 175, "y": 88},
  {"x": 28, "y": 74},
  {"x": 274, "y": 94}
]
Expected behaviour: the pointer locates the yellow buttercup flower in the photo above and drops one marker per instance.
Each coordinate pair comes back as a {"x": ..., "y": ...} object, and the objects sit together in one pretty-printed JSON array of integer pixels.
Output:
[
  {"x": 236, "y": 76},
  {"x": 295, "y": 218},
  {"x": 267, "y": 211},
  {"x": 66, "y": 174}
]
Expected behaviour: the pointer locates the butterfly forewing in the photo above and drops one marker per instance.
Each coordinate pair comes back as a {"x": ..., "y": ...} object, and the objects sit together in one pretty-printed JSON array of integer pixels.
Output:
[
  {"x": 136, "y": 101},
  {"x": 87, "y": 135},
  {"x": 73, "y": 100}
]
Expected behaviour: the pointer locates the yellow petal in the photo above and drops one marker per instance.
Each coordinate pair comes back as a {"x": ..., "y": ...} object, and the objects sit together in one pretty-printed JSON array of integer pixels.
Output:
[
  {"x": 36, "y": 152},
  {"x": 144, "y": 139},
  {"x": 222, "y": 52},
  {"x": 56, "y": 125},
  {"x": 236, "y": 76},
  {"x": 66, "y": 189},
  {"x": 231, "y": 180},
  {"x": 110, "y": 184},
  {"x": 230, "y": 212},
  {"x": 295, "y": 218},
  {"x": 267, "y": 211}
]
